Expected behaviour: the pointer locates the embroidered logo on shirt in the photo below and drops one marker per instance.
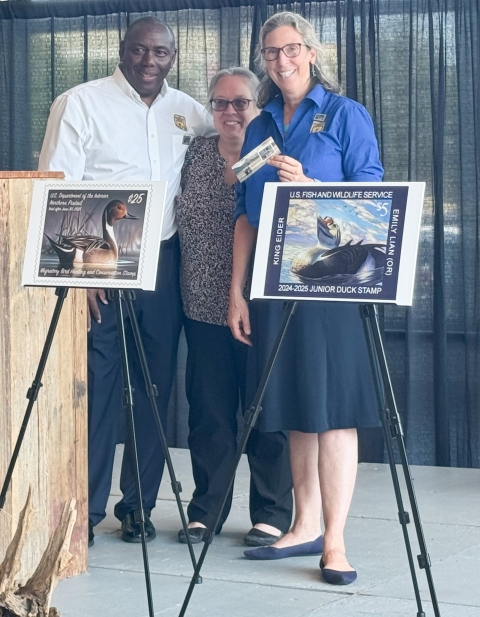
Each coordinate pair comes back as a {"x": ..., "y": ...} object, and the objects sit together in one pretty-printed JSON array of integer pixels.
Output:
[
  {"x": 186, "y": 140},
  {"x": 318, "y": 123},
  {"x": 180, "y": 122}
]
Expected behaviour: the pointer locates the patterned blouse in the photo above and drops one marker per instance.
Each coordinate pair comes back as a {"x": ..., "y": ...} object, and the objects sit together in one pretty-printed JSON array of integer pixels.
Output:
[{"x": 205, "y": 227}]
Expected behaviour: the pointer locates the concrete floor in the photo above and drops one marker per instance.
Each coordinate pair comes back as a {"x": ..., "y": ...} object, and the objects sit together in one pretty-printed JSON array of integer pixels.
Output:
[{"x": 449, "y": 504}]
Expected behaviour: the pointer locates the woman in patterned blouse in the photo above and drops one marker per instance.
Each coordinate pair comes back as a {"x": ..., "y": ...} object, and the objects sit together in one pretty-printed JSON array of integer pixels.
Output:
[{"x": 216, "y": 362}]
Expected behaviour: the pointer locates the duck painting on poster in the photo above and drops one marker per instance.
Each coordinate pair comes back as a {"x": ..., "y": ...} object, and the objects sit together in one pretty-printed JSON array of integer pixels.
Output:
[
  {"x": 86, "y": 234},
  {"x": 344, "y": 241}
]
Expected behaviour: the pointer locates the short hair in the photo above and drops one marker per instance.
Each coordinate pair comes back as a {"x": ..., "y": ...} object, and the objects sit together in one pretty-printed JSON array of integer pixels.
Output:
[
  {"x": 234, "y": 71},
  {"x": 268, "y": 89},
  {"x": 148, "y": 20}
]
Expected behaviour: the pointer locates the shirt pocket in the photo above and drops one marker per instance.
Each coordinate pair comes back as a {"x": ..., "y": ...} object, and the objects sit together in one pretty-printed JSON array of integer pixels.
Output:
[{"x": 179, "y": 149}]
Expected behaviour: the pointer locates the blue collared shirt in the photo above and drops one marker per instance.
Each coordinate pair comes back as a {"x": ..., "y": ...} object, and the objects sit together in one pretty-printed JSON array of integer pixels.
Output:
[{"x": 346, "y": 150}]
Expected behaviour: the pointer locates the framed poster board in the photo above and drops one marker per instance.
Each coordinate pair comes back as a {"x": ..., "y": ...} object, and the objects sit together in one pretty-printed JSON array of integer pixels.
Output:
[
  {"x": 354, "y": 242},
  {"x": 94, "y": 234}
]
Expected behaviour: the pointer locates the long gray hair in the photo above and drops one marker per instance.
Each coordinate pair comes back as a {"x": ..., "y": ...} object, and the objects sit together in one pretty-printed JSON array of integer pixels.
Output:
[
  {"x": 268, "y": 90},
  {"x": 235, "y": 71}
]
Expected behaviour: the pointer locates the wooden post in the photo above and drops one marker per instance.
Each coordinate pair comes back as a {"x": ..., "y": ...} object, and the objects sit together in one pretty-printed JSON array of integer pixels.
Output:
[{"x": 53, "y": 458}]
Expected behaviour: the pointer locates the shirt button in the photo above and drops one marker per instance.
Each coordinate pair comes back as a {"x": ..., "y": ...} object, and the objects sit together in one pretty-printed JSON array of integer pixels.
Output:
[
  {"x": 152, "y": 136},
  {"x": 154, "y": 161}
]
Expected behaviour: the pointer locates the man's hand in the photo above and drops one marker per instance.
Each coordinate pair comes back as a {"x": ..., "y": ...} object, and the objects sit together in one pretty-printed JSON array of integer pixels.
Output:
[{"x": 93, "y": 310}]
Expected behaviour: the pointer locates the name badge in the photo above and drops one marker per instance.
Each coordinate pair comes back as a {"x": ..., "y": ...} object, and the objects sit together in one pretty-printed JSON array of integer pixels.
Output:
[
  {"x": 180, "y": 122},
  {"x": 318, "y": 123}
]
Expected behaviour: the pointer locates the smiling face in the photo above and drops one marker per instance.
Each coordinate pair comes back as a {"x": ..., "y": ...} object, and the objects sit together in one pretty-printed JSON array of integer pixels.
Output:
[
  {"x": 231, "y": 124},
  {"x": 291, "y": 75},
  {"x": 147, "y": 56}
]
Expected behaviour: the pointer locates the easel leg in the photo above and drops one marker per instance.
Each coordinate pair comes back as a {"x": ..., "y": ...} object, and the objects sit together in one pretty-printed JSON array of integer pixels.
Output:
[
  {"x": 128, "y": 401},
  {"x": 152, "y": 394},
  {"x": 32, "y": 394},
  {"x": 392, "y": 429},
  {"x": 249, "y": 422}
]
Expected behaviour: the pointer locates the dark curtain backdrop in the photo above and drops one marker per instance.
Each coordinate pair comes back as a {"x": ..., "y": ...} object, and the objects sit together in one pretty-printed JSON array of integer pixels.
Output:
[{"x": 413, "y": 63}]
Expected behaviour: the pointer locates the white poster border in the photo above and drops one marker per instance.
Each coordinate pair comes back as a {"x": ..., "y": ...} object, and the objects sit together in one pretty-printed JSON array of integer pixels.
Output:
[
  {"x": 405, "y": 251},
  {"x": 145, "y": 261}
]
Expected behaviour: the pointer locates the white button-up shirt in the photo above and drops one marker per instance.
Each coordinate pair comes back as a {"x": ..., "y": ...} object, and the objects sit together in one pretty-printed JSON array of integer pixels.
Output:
[{"x": 102, "y": 130}]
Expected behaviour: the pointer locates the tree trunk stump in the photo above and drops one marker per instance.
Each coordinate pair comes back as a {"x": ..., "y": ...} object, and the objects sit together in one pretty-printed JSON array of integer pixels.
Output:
[{"x": 33, "y": 598}]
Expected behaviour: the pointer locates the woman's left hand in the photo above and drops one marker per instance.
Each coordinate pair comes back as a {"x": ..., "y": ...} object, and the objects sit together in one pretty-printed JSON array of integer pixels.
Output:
[{"x": 289, "y": 170}]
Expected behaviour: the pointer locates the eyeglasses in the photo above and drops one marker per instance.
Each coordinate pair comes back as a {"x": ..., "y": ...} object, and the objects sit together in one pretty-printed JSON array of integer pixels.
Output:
[
  {"x": 291, "y": 50},
  {"x": 237, "y": 104}
]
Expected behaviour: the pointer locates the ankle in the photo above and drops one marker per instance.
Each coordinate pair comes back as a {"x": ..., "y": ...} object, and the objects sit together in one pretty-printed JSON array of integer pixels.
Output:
[
  {"x": 334, "y": 541},
  {"x": 305, "y": 529}
]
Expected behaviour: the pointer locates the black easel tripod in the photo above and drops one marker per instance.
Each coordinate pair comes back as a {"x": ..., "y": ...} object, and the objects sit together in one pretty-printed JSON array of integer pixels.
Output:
[
  {"x": 32, "y": 393},
  {"x": 32, "y": 396},
  {"x": 151, "y": 389},
  {"x": 392, "y": 430},
  {"x": 248, "y": 423},
  {"x": 128, "y": 402}
]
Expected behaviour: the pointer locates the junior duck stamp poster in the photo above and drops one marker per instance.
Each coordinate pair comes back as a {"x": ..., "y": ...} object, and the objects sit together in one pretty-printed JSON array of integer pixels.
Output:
[
  {"x": 338, "y": 241},
  {"x": 89, "y": 234}
]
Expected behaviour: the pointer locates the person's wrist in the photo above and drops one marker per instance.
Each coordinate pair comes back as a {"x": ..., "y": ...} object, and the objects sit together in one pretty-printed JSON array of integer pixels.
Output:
[{"x": 236, "y": 293}]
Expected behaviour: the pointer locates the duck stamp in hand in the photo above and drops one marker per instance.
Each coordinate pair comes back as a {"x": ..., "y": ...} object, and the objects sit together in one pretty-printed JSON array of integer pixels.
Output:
[{"x": 255, "y": 159}]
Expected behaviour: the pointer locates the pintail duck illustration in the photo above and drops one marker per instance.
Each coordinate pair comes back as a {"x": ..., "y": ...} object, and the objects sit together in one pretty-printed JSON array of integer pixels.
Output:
[{"x": 83, "y": 248}]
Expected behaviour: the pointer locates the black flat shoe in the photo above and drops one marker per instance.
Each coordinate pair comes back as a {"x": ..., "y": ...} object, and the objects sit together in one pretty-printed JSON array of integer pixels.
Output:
[
  {"x": 194, "y": 533},
  {"x": 337, "y": 577},
  {"x": 91, "y": 535},
  {"x": 256, "y": 537},
  {"x": 131, "y": 529}
]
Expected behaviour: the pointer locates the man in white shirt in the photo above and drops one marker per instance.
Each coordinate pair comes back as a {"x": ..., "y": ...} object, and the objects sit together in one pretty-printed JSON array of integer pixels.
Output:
[{"x": 130, "y": 126}]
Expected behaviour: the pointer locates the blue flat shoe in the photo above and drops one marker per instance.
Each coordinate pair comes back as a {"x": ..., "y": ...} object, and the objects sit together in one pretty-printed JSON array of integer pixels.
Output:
[
  {"x": 337, "y": 577},
  {"x": 299, "y": 550}
]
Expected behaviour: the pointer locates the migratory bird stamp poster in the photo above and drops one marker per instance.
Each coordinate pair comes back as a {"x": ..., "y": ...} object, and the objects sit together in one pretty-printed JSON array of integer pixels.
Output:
[
  {"x": 353, "y": 242},
  {"x": 90, "y": 234}
]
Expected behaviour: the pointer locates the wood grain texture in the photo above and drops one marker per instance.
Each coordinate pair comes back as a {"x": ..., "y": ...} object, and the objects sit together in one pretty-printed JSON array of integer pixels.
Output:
[
  {"x": 33, "y": 598},
  {"x": 53, "y": 458},
  {"x": 38, "y": 175}
]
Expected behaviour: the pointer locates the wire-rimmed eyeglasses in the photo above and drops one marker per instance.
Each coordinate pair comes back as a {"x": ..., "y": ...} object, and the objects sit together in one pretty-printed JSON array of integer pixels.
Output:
[
  {"x": 291, "y": 50},
  {"x": 237, "y": 104}
]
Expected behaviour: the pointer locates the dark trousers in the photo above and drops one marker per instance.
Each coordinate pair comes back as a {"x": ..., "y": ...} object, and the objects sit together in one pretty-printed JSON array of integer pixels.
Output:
[
  {"x": 215, "y": 384},
  {"x": 159, "y": 318}
]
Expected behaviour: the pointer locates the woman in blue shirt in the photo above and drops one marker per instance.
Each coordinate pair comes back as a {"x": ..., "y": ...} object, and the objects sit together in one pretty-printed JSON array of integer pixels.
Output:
[{"x": 321, "y": 389}]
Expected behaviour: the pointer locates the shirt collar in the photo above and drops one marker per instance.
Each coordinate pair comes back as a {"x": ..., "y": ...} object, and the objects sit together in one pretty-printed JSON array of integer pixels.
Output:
[
  {"x": 316, "y": 94},
  {"x": 125, "y": 86}
]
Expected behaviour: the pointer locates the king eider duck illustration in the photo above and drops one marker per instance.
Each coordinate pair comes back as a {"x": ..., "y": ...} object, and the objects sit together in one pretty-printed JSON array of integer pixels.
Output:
[
  {"x": 87, "y": 249},
  {"x": 327, "y": 258},
  {"x": 328, "y": 237}
]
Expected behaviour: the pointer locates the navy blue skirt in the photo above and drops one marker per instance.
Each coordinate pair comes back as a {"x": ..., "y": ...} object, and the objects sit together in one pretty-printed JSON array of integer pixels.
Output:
[{"x": 322, "y": 378}]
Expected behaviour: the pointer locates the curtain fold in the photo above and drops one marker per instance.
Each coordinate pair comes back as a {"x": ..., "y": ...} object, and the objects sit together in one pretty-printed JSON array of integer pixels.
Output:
[{"x": 415, "y": 65}]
